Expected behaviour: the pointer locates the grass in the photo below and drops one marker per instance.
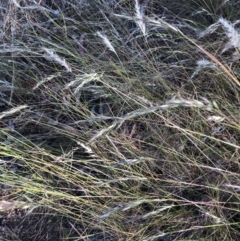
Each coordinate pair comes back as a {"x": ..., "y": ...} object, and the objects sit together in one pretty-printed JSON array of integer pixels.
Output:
[{"x": 119, "y": 120}]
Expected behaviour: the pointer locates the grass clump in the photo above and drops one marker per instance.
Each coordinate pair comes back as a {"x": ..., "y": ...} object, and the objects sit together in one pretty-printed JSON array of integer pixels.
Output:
[{"x": 119, "y": 120}]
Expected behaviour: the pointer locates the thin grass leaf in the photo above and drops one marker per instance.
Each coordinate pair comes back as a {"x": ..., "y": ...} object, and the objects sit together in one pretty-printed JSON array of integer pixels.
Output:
[{"x": 12, "y": 111}]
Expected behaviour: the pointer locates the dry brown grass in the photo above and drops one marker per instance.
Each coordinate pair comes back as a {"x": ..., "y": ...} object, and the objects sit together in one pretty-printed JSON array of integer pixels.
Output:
[{"x": 119, "y": 120}]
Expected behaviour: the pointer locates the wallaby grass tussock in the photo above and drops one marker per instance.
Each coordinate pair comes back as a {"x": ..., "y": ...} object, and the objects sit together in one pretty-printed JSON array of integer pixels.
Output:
[{"x": 119, "y": 120}]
